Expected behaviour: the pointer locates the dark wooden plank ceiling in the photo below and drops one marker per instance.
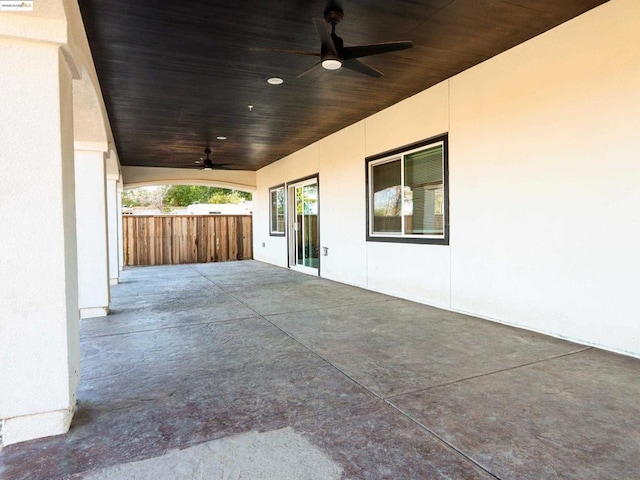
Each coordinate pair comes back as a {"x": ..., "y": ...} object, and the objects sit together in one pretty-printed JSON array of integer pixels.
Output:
[{"x": 176, "y": 75}]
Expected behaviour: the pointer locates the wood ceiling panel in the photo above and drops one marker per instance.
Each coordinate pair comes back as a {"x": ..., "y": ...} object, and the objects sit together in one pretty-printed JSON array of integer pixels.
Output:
[{"x": 177, "y": 74}]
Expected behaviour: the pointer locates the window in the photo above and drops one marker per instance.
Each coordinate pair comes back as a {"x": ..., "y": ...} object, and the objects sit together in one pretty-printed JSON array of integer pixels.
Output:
[
  {"x": 276, "y": 210},
  {"x": 407, "y": 197}
]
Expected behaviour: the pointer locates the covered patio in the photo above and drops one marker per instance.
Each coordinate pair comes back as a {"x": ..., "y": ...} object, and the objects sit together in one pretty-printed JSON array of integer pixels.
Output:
[{"x": 379, "y": 387}]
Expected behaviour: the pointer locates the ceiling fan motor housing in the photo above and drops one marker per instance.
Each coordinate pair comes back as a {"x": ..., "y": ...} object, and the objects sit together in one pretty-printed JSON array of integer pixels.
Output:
[{"x": 333, "y": 15}]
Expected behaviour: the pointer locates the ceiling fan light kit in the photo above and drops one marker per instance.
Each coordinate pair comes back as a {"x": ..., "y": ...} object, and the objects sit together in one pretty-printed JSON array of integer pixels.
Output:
[{"x": 331, "y": 64}]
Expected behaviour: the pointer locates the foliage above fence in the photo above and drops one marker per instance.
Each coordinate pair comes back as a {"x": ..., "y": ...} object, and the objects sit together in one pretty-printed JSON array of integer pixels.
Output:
[{"x": 169, "y": 240}]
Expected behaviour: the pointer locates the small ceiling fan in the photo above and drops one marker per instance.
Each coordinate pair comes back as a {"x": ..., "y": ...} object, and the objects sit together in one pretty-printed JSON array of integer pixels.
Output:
[
  {"x": 207, "y": 163},
  {"x": 334, "y": 55}
]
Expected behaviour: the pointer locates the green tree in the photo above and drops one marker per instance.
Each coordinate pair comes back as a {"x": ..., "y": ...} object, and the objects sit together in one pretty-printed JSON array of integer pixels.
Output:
[
  {"x": 231, "y": 196},
  {"x": 130, "y": 199},
  {"x": 184, "y": 195}
]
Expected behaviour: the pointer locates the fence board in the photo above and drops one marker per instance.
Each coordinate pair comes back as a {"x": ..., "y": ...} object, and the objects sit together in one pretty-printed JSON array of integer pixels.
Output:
[
  {"x": 170, "y": 240},
  {"x": 151, "y": 255}
]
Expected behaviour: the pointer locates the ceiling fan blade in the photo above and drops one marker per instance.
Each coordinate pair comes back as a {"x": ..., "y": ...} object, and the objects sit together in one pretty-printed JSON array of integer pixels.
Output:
[
  {"x": 325, "y": 37},
  {"x": 374, "y": 49},
  {"x": 311, "y": 68},
  {"x": 294, "y": 52},
  {"x": 358, "y": 66},
  {"x": 214, "y": 166}
]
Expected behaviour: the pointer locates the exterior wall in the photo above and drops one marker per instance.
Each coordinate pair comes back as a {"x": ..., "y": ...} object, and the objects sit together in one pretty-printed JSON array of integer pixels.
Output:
[
  {"x": 341, "y": 191},
  {"x": 543, "y": 163},
  {"x": 298, "y": 165},
  {"x": 425, "y": 269},
  {"x": 545, "y": 182}
]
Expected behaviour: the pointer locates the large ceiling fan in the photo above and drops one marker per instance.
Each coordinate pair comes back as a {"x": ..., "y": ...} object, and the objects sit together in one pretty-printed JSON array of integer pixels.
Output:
[
  {"x": 207, "y": 164},
  {"x": 334, "y": 55}
]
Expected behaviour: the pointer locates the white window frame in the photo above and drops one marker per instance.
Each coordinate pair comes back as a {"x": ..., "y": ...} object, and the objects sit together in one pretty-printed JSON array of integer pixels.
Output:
[{"x": 272, "y": 190}]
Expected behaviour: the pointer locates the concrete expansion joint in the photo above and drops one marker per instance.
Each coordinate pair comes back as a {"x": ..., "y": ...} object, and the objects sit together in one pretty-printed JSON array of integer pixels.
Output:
[
  {"x": 443, "y": 441},
  {"x": 325, "y": 360},
  {"x": 157, "y": 329},
  {"x": 308, "y": 348},
  {"x": 487, "y": 374}
]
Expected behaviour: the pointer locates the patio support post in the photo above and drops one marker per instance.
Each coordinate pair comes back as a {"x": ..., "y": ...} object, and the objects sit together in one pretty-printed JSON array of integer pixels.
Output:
[
  {"x": 113, "y": 227},
  {"x": 91, "y": 222},
  {"x": 39, "y": 327},
  {"x": 120, "y": 230}
]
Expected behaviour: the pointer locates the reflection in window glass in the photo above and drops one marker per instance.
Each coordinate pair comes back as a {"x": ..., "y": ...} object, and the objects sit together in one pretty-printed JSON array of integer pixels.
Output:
[
  {"x": 387, "y": 197},
  {"x": 408, "y": 195},
  {"x": 277, "y": 209}
]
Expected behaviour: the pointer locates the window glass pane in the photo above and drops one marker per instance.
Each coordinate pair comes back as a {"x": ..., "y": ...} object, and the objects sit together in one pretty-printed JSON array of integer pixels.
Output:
[
  {"x": 274, "y": 209},
  {"x": 277, "y": 210},
  {"x": 423, "y": 206},
  {"x": 310, "y": 219},
  {"x": 387, "y": 197},
  {"x": 408, "y": 192}
]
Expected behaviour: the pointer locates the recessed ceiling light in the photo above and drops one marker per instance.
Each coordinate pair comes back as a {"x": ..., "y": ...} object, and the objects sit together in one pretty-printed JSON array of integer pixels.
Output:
[
  {"x": 221, "y": 137},
  {"x": 275, "y": 81}
]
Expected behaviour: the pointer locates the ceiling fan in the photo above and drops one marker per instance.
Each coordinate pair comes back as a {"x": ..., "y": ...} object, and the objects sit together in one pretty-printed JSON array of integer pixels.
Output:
[
  {"x": 207, "y": 163},
  {"x": 334, "y": 55}
]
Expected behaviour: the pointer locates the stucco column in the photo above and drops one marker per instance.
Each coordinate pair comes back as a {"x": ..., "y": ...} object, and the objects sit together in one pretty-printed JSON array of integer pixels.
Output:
[
  {"x": 39, "y": 337},
  {"x": 120, "y": 230},
  {"x": 113, "y": 227},
  {"x": 91, "y": 224}
]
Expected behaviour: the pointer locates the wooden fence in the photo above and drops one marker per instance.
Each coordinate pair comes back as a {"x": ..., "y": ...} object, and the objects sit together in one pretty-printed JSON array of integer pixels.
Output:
[{"x": 173, "y": 239}]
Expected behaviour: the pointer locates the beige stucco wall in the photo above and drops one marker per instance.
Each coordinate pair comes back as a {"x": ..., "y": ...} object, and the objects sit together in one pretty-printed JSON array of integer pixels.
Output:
[
  {"x": 341, "y": 185},
  {"x": 544, "y": 181},
  {"x": 543, "y": 187}
]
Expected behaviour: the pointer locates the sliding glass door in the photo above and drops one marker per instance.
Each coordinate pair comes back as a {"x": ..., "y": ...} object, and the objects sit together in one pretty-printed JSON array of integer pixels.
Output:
[{"x": 304, "y": 234}]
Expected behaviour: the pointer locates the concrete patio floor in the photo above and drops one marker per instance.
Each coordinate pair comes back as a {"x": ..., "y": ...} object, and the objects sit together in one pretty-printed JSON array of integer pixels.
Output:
[{"x": 383, "y": 387}]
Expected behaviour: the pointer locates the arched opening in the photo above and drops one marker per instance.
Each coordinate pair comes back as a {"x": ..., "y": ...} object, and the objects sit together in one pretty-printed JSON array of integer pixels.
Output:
[
  {"x": 243, "y": 180},
  {"x": 186, "y": 223}
]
